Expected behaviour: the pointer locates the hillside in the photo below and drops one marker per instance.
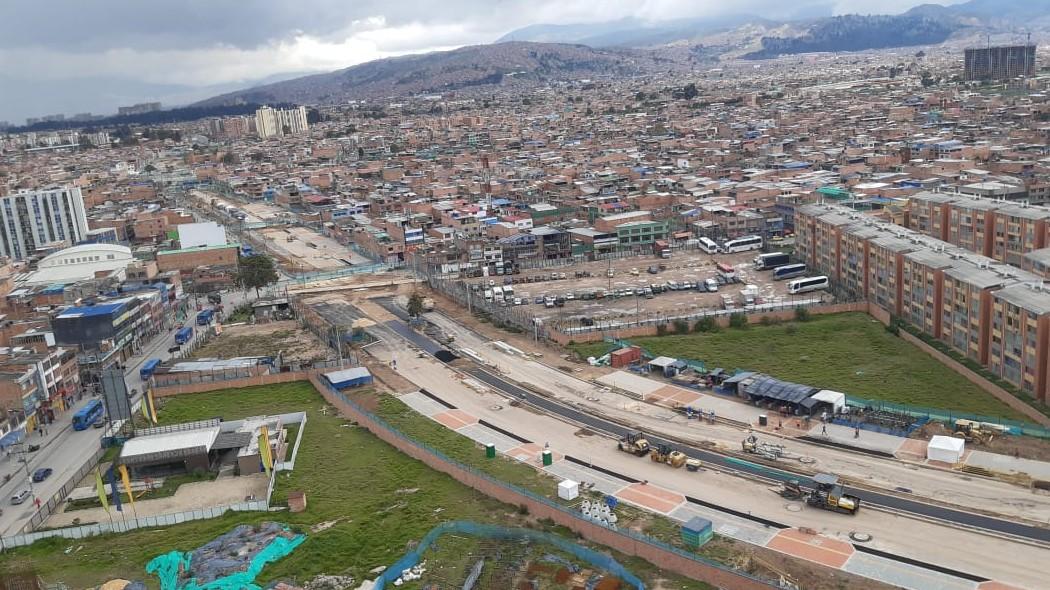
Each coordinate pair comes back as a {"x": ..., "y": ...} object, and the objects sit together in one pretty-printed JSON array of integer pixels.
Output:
[
  {"x": 858, "y": 33},
  {"x": 449, "y": 70}
]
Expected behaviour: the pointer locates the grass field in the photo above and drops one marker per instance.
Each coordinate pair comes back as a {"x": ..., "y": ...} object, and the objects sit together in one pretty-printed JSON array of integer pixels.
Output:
[
  {"x": 367, "y": 502},
  {"x": 851, "y": 353}
]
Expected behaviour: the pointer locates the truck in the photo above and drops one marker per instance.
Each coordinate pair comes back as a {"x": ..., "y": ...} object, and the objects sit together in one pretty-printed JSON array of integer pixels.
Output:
[
  {"x": 771, "y": 260},
  {"x": 204, "y": 317},
  {"x": 183, "y": 335},
  {"x": 662, "y": 249}
]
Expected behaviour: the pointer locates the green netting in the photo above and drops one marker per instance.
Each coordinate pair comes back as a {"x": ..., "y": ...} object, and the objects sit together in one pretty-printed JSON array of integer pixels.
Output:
[{"x": 167, "y": 567}]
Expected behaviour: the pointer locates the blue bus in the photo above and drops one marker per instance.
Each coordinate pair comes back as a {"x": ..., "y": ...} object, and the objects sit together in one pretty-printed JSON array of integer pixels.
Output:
[
  {"x": 147, "y": 369},
  {"x": 788, "y": 271},
  {"x": 87, "y": 415}
]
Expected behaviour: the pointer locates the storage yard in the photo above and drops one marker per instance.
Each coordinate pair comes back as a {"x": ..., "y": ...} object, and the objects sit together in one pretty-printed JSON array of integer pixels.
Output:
[{"x": 641, "y": 285}]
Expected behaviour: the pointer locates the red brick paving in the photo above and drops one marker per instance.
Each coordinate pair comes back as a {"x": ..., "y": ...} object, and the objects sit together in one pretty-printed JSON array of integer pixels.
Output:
[{"x": 816, "y": 548}]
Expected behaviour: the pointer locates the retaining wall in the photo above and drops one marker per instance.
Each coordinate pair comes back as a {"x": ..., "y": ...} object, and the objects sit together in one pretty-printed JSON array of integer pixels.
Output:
[{"x": 205, "y": 386}]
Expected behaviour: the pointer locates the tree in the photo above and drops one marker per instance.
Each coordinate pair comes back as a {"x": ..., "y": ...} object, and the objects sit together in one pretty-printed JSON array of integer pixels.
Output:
[
  {"x": 149, "y": 168},
  {"x": 415, "y": 304},
  {"x": 737, "y": 320},
  {"x": 230, "y": 159},
  {"x": 256, "y": 271},
  {"x": 690, "y": 92}
]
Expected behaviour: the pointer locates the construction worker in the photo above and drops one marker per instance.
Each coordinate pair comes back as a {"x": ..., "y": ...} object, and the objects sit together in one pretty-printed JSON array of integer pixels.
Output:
[{"x": 824, "y": 429}]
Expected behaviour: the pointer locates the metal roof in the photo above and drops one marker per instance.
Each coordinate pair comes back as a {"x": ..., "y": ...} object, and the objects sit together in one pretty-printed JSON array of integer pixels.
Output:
[{"x": 766, "y": 386}]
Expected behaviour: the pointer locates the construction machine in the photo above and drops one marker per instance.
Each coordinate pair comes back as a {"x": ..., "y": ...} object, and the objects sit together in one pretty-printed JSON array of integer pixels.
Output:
[
  {"x": 827, "y": 494},
  {"x": 973, "y": 432},
  {"x": 769, "y": 451},
  {"x": 634, "y": 443},
  {"x": 664, "y": 454}
]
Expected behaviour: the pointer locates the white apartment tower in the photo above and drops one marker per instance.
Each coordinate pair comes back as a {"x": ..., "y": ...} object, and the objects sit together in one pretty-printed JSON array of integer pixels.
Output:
[
  {"x": 33, "y": 220},
  {"x": 266, "y": 122},
  {"x": 270, "y": 122}
]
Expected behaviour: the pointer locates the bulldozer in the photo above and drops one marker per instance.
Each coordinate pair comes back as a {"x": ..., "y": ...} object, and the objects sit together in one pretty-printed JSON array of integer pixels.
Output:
[
  {"x": 827, "y": 494},
  {"x": 664, "y": 454},
  {"x": 634, "y": 443}
]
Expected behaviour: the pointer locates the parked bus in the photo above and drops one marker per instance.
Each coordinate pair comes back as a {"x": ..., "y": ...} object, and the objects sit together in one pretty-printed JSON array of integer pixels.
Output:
[
  {"x": 87, "y": 415},
  {"x": 788, "y": 271},
  {"x": 497, "y": 294},
  {"x": 146, "y": 371},
  {"x": 807, "y": 284},
  {"x": 742, "y": 244},
  {"x": 771, "y": 260},
  {"x": 709, "y": 246}
]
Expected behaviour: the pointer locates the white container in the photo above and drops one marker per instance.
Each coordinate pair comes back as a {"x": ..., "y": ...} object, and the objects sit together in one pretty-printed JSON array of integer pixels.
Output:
[{"x": 568, "y": 490}]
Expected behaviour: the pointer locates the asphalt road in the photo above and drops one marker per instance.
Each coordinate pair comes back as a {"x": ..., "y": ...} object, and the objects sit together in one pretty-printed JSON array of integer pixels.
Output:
[
  {"x": 65, "y": 450},
  {"x": 893, "y": 502}
]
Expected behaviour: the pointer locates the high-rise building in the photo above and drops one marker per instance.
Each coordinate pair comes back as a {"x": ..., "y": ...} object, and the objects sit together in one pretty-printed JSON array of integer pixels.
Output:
[
  {"x": 35, "y": 221},
  {"x": 999, "y": 63},
  {"x": 266, "y": 122},
  {"x": 270, "y": 122},
  {"x": 138, "y": 109}
]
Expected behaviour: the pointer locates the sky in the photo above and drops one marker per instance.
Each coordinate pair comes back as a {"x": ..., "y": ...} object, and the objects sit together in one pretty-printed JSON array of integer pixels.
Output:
[{"x": 92, "y": 55}]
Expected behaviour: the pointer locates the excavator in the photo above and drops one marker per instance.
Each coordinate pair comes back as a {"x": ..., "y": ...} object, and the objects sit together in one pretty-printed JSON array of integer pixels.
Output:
[
  {"x": 974, "y": 432},
  {"x": 634, "y": 443},
  {"x": 827, "y": 494},
  {"x": 664, "y": 454}
]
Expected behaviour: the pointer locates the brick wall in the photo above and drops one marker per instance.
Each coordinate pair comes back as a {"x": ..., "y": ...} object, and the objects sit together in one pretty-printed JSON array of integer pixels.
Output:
[{"x": 663, "y": 558}]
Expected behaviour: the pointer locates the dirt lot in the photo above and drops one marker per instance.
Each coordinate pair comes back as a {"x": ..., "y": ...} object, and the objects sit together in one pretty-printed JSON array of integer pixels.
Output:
[
  {"x": 1025, "y": 447},
  {"x": 632, "y": 273},
  {"x": 287, "y": 337}
]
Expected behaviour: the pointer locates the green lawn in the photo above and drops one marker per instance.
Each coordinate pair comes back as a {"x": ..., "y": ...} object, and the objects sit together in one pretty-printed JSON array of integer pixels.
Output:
[
  {"x": 367, "y": 502},
  {"x": 852, "y": 353}
]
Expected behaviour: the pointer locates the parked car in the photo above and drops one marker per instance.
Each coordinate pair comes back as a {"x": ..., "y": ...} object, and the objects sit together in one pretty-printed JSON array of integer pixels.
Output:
[
  {"x": 99, "y": 423},
  {"x": 538, "y": 301},
  {"x": 174, "y": 349},
  {"x": 712, "y": 285},
  {"x": 20, "y": 497},
  {"x": 41, "y": 474}
]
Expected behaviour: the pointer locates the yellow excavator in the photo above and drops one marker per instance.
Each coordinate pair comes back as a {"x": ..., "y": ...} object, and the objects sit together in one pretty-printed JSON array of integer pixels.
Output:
[
  {"x": 664, "y": 454},
  {"x": 973, "y": 432}
]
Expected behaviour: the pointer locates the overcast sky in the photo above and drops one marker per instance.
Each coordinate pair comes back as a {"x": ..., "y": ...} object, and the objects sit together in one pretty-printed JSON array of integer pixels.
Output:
[{"x": 77, "y": 55}]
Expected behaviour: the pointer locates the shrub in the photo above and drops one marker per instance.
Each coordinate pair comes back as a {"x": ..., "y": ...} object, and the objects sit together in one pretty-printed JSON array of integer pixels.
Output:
[
  {"x": 706, "y": 324},
  {"x": 661, "y": 330},
  {"x": 801, "y": 314},
  {"x": 737, "y": 320},
  {"x": 791, "y": 329},
  {"x": 681, "y": 327}
]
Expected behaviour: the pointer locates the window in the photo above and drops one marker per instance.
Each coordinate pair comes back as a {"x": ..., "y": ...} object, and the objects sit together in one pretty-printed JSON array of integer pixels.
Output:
[{"x": 110, "y": 256}]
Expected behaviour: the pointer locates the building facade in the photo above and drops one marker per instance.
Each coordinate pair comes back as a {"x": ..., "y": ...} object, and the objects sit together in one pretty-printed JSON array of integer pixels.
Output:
[
  {"x": 999, "y": 63},
  {"x": 36, "y": 221}
]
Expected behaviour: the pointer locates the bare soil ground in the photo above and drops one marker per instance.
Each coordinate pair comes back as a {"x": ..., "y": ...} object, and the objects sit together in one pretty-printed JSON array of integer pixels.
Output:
[
  {"x": 296, "y": 344},
  {"x": 1025, "y": 447}
]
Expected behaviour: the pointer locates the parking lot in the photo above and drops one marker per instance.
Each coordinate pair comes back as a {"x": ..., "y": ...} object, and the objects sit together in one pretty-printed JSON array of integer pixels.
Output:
[{"x": 644, "y": 284}]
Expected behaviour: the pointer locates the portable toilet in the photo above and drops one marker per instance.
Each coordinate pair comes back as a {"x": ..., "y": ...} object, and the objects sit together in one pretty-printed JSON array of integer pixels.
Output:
[{"x": 697, "y": 532}]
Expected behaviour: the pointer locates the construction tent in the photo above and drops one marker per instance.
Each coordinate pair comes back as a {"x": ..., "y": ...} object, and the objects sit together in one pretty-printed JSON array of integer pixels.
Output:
[
  {"x": 832, "y": 402},
  {"x": 945, "y": 448}
]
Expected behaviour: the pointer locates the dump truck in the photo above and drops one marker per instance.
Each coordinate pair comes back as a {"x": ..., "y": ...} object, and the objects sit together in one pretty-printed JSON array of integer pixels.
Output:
[
  {"x": 827, "y": 494},
  {"x": 664, "y": 454},
  {"x": 634, "y": 443}
]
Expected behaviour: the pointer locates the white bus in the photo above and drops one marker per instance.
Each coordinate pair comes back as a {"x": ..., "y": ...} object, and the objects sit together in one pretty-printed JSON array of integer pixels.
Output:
[
  {"x": 742, "y": 244},
  {"x": 788, "y": 271},
  {"x": 807, "y": 284},
  {"x": 497, "y": 294},
  {"x": 708, "y": 245}
]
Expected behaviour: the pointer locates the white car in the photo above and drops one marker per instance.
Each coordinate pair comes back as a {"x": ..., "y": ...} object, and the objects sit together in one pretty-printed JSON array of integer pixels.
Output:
[
  {"x": 21, "y": 497},
  {"x": 712, "y": 285}
]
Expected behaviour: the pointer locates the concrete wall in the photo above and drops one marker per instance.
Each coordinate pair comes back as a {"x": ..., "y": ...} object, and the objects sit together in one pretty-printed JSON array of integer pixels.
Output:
[
  {"x": 205, "y": 386},
  {"x": 722, "y": 320},
  {"x": 664, "y": 558}
]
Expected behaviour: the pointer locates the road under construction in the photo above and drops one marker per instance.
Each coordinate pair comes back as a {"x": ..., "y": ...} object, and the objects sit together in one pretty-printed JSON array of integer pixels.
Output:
[{"x": 911, "y": 529}]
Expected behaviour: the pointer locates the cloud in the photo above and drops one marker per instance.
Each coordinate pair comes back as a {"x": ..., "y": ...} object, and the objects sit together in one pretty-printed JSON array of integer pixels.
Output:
[{"x": 196, "y": 43}]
